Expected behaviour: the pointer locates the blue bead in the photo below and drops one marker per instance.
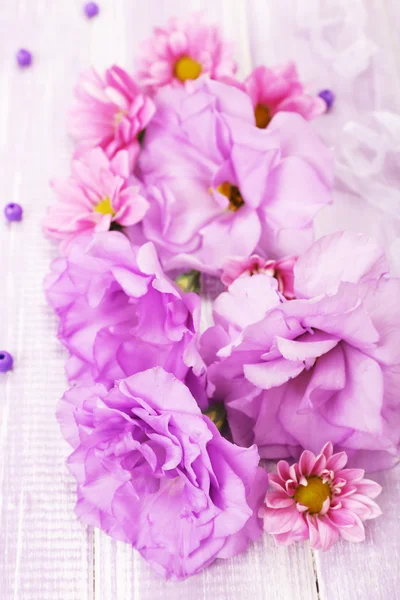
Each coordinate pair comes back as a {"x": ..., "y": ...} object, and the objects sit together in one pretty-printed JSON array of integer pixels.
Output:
[
  {"x": 24, "y": 58},
  {"x": 328, "y": 96},
  {"x": 6, "y": 361},
  {"x": 91, "y": 10},
  {"x": 13, "y": 212}
]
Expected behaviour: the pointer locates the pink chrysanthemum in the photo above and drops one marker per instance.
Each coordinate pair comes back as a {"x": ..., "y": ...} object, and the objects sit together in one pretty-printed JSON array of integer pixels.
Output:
[
  {"x": 318, "y": 499},
  {"x": 282, "y": 270},
  {"x": 183, "y": 51},
  {"x": 110, "y": 112},
  {"x": 279, "y": 89},
  {"x": 99, "y": 192}
]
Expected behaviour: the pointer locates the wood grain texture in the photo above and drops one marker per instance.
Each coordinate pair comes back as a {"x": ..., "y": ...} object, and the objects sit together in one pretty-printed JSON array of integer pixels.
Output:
[
  {"x": 44, "y": 551},
  {"x": 264, "y": 571},
  {"x": 45, "y": 554}
]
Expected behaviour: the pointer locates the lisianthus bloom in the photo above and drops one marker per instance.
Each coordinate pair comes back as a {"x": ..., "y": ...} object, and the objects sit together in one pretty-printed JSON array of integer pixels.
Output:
[
  {"x": 119, "y": 314},
  {"x": 318, "y": 499},
  {"x": 282, "y": 270},
  {"x": 156, "y": 473},
  {"x": 99, "y": 192},
  {"x": 322, "y": 367},
  {"x": 220, "y": 187},
  {"x": 279, "y": 89},
  {"x": 182, "y": 52},
  {"x": 110, "y": 112}
]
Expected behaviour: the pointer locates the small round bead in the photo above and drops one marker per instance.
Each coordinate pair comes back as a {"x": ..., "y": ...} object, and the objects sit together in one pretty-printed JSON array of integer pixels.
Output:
[
  {"x": 13, "y": 212},
  {"x": 328, "y": 96},
  {"x": 91, "y": 10},
  {"x": 6, "y": 361},
  {"x": 24, "y": 58}
]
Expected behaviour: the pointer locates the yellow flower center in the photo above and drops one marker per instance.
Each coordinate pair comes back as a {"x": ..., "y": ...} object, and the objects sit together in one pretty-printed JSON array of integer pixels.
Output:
[
  {"x": 262, "y": 115},
  {"x": 313, "y": 495},
  {"x": 187, "y": 68},
  {"x": 233, "y": 194},
  {"x": 119, "y": 116},
  {"x": 189, "y": 281},
  {"x": 217, "y": 414},
  {"x": 104, "y": 207}
]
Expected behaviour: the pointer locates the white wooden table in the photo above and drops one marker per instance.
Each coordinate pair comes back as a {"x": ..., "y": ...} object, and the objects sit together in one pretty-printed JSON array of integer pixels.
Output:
[{"x": 45, "y": 554}]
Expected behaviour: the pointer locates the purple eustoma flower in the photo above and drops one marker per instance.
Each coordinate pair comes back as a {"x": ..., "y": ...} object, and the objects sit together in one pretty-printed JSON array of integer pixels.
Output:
[
  {"x": 220, "y": 187},
  {"x": 322, "y": 367},
  {"x": 156, "y": 473},
  {"x": 119, "y": 314}
]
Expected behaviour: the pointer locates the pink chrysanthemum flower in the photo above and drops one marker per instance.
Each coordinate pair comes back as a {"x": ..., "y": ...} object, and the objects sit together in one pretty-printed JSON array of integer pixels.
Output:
[
  {"x": 110, "y": 112},
  {"x": 282, "y": 270},
  {"x": 318, "y": 499},
  {"x": 99, "y": 192},
  {"x": 183, "y": 51},
  {"x": 279, "y": 89}
]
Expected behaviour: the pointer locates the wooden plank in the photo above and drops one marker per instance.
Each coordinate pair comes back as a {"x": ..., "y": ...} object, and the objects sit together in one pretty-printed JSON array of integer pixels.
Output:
[
  {"x": 44, "y": 552},
  {"x": 264, "y": 571}
]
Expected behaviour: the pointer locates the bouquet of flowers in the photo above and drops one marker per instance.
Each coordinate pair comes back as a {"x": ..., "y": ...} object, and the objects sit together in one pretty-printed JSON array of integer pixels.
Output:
[{"x": 188, "y": 183}]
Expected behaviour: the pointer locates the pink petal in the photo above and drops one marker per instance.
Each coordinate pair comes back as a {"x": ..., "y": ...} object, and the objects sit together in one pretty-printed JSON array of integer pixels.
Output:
[
  {"x": 120, "y": 164},
  {"x": 133, "y": 211},
  {"x": 315, "y": 541},
  {"x": 306, "y": 462},
  {"x": 370, "y": 488},
  {"x": 352, "y": 475},
  {"x": 337, "y": 461},
  {"x": 362, "y": 506},
  {"x": 327, "y": 450},
  {"x": 283, "y": 470},
  {"x": 280, "y": 520},
  {"x": 299, "y": 532},
  {"x": 319, "y": 466},
  {"x": 160, "y": 71},
  {"x": 276, "y": 482},
  {"x": 278, "y": 500},
  {"x": 356, "y": 533},
  {"x": 342, "y": 517},
  {"x": 328, "y": 534},
  {"x": 325, "y": 506},
  {"x": 177, "y": 42}
]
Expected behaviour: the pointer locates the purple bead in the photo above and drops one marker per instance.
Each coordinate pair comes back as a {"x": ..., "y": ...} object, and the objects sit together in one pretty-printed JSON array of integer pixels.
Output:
[
  {"x": 328, "y": 96},
  {"x": 91, "y": 10},
  {"x": 6, "y": 361},
  {"x": 13, "y": 212},
  {"x": 24, "y": 58}
]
